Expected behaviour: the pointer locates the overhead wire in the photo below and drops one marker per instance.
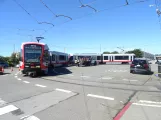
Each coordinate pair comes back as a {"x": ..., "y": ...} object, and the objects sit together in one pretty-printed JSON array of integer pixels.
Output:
[
  {"x": 103, "y": 10},
  {"x": 34, "y": 18},
  {"x": 56, "y": 15},
  {"x": 86, "y": 5},
  {"x": 98, "y": 11},
  {"x": 158, "y": 11}
]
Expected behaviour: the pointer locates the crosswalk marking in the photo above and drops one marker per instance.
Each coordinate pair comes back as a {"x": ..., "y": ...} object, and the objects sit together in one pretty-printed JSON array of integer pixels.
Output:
[
  {"x": 62, "y": 90},
  {"x": 38, "y": 85},
  {"x": 2, "y": 102},
  {"x": 31, "y": 118},
  {"x": 148, "y": 105},
  {"x": 7, "y": 109},
  {"x": 26, "y": 81},
  {"x": 98, "y": 96}
]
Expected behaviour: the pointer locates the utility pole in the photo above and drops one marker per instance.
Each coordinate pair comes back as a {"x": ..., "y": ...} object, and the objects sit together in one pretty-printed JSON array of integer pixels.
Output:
[
  {"x": 100, "y": 48},
  {"x": 64, "y": 49},
  {"x": 13, "y": 48}
]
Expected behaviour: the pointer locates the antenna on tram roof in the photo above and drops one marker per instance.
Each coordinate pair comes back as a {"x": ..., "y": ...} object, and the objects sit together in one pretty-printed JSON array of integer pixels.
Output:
[{"x": 39, "y": 38}]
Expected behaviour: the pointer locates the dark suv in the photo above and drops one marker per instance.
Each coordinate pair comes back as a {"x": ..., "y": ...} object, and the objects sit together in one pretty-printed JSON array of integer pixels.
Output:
[{"x": 140, "y": 65}]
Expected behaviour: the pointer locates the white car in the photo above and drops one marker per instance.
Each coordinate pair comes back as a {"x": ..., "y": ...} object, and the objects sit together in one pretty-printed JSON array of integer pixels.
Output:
[{"x": 17, "y": 66}]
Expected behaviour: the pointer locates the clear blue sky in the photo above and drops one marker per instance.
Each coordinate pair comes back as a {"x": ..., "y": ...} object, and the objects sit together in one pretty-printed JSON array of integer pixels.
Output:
[{"x": 132, "y": 26}]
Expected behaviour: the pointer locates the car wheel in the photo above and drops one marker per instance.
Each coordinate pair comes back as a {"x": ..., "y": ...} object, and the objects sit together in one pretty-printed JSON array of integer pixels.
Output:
[{"x": 131, "y": 71}]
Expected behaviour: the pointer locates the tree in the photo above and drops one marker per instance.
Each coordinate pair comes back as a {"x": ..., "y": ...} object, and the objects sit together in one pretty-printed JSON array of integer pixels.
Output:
[
  {"x": 106, "y": 52},
  {"x": 13, "y": 59},
  {"x": 138, "y": 53},
  {"x": 1, "y": 58},
  {"x": 114, "y": 52}
]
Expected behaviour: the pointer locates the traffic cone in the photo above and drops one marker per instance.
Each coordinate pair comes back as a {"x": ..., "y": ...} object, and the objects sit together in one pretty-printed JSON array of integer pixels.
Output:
[{"x": 2, "y": 70}]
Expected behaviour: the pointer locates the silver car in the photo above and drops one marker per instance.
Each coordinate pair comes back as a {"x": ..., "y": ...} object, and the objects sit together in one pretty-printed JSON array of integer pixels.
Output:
[{"x": 140, "y": 65}]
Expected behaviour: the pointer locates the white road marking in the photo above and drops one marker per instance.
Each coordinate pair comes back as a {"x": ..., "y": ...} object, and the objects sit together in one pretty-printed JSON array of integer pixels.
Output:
[
  {"x": 4, "y": 75},
  {"x": 121, "y": 101},
  {"x": 62, "y": 90},
  {"x": 19, "y": 79},
  {"x": 38, "y": 85},
  {"x": 106, "y": 78},
  {"x": 70, "y": 75},
  {"x": 26, "y": 81},
  {"x": 128, "y": 80},
  {"x": 151, "y": 102},
  {"x": 102, "y": 97},
  {"x": 32, "y": 118},
  {"x": 7, "y": 109},
  {"x": 2, "y": 102},
  {"x": 85, "y": 76},
  {"x": 148, "y": 105},
  {"x": 24, "y": 117},
  {"x": 15, "y": 76}
]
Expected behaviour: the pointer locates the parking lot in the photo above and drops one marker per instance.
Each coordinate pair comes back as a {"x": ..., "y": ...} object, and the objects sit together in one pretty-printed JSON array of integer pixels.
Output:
[{"x": 80, "y": 93}]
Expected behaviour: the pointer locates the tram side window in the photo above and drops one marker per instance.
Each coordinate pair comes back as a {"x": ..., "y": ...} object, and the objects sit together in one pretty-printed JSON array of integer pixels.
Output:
[
  {"x": 53, "y": 57},
  {"x": 121, "y": 57},
  {"x": 98, "y": 57},
  {"x": 62, "y": 57},
  {"x": 105, "y": 57}
]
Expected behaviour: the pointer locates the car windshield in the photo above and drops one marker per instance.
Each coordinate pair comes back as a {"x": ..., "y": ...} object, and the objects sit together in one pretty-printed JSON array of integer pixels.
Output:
[
  {"x": 33, "y": 54},
  {"x": 139, "y": 62}
]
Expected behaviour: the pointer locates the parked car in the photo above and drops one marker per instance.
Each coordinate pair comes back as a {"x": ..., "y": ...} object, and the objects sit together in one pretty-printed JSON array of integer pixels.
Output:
[
  {"x": 140, "y": 65},
  {"x": 17, "y": 66},
  {"x": 1, "y": 70},
  {"x": 158, "y": 62},
  {"x": 4, "y": 64}
]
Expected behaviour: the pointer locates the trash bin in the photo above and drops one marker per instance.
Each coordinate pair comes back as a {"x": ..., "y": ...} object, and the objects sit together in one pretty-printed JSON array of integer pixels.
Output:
[{"x": 159, "y": 70}]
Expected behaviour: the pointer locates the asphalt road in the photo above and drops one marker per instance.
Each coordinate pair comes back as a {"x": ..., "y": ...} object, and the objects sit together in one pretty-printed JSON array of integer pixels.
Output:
[{"x": 104, "y": 92}]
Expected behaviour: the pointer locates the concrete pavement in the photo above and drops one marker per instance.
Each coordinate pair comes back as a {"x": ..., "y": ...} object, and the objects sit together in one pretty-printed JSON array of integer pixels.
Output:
[{"x": 88, "y": 93}]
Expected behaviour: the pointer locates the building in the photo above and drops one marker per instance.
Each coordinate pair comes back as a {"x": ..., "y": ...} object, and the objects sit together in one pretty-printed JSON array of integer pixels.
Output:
[
  {"x": 148, "y": 55},
  {"x": 157, "y": 56}
]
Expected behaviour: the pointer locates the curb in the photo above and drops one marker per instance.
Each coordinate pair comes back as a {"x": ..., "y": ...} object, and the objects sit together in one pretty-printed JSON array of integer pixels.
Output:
[{"x": 122, "y": 112}]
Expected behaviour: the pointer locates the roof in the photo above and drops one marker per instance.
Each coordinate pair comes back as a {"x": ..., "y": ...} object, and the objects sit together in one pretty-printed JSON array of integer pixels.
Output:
[
  {"x": 46, "y": 46},
  {"x": 119, "y": 54},
  {"x": 140, "y": 59},
  {"x": 86, "y": 54},
  {"x": 60, "y": 53}
]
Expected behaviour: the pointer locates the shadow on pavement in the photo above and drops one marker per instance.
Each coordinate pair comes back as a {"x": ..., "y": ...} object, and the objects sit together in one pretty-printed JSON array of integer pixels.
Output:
[
  {"x": 151, "y": 73},
  {"x": 59, "y": 71},
  {"x": 6, "y": 73}
]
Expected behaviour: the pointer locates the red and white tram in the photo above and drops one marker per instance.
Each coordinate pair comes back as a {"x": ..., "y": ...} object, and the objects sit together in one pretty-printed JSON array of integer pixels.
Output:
[
  {"x": 118, "y": 58},
  {"x": 34, "y": 58},
  {"x": 58, "y": 59}
]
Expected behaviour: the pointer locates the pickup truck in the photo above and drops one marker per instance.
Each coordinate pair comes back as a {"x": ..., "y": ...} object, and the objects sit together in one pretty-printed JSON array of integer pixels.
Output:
[{"x": 1, "y": 70}]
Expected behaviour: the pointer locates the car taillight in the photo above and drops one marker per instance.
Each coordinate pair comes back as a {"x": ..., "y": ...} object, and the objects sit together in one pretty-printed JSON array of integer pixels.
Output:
[
  {"x": 146, "y": 66},
  {"x": 132, "y": 65}
]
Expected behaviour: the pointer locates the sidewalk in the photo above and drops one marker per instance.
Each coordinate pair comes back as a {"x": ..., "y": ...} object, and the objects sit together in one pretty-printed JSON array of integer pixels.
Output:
[{"x": 144, "y": 106}]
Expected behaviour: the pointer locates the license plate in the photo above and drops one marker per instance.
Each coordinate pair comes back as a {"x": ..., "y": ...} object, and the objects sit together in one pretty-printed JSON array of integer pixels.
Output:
[
  {"x": 32, "y": 67},
  {"x": 138, "y": 65}
]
